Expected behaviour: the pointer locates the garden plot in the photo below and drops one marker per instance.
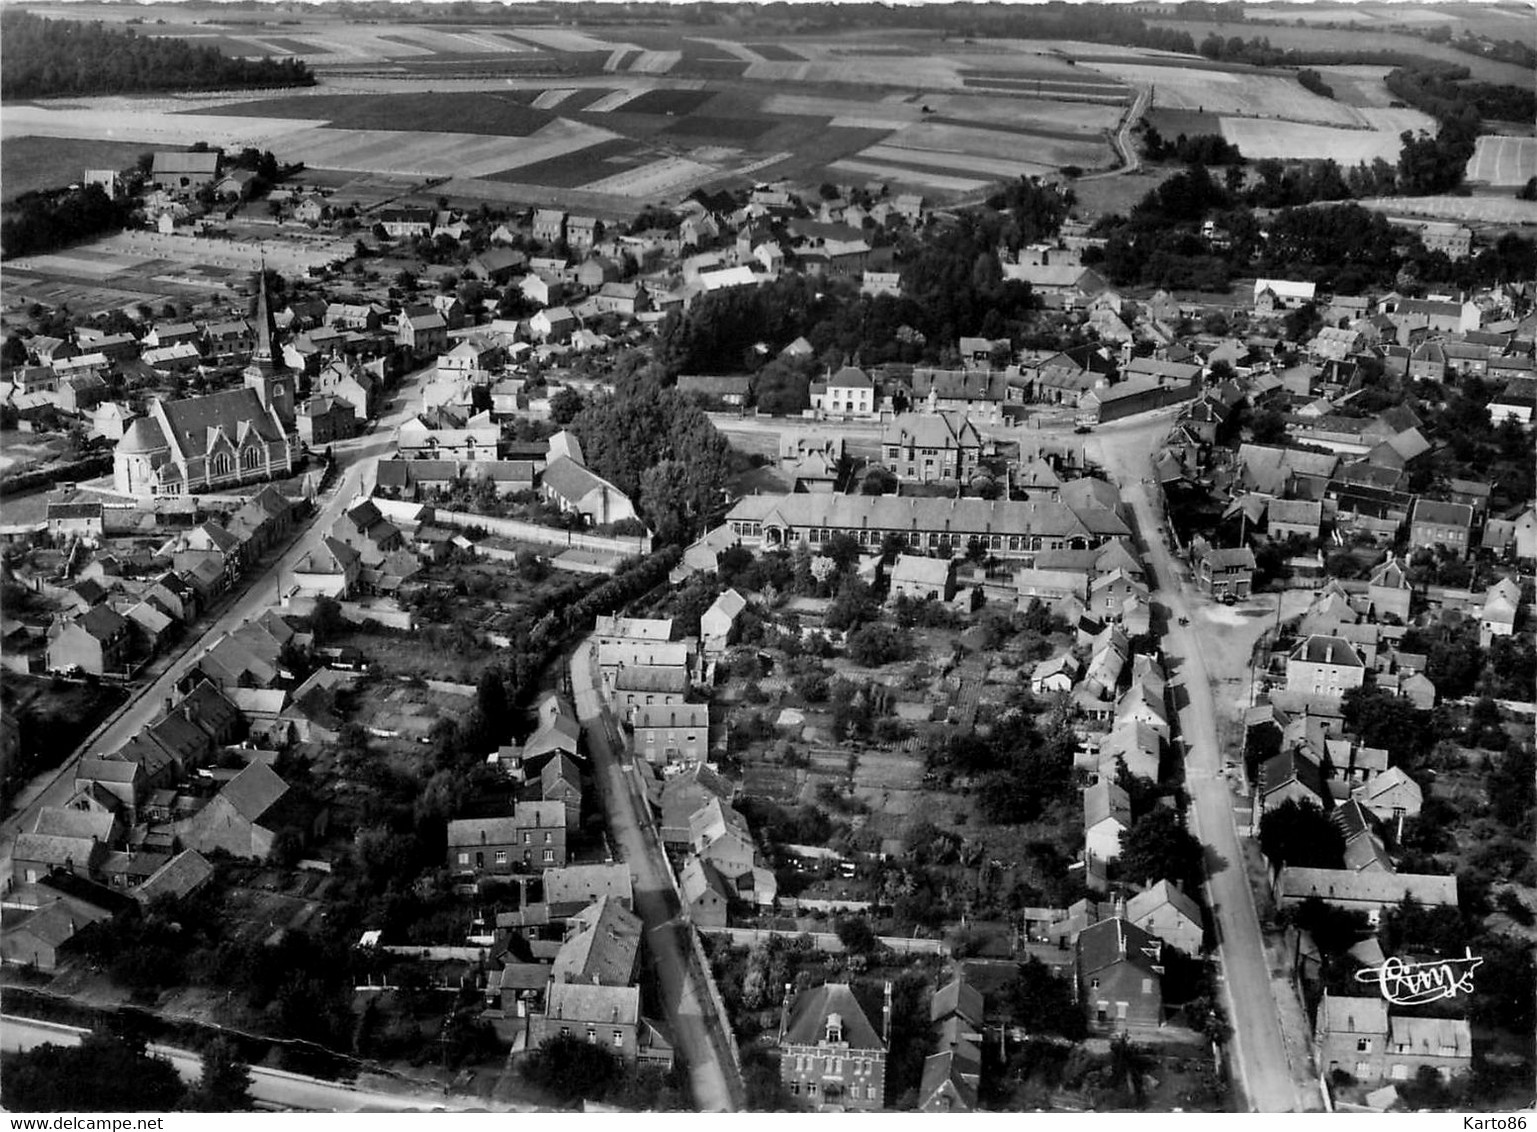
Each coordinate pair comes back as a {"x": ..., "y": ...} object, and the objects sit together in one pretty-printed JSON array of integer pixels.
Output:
[
  {"x": 1259, "y": 138},
  {"x": 1025, "y": 115},
  {"x": 1227, "y": 92},
  {"x": 613, "y": 100},
  {"x": 562, "y": 39},
  {"x": 993, "y": 167},
  {"x": 987, "y": 145},
  {"x": 654, "y": 62},
  {"x": 550, "y": 99},
  {"x": 906, "y": 72},
  {"x": 1503, "y": 160},
  {"x": 936, "y": 181},
  {"x": 659, "y": 178}
]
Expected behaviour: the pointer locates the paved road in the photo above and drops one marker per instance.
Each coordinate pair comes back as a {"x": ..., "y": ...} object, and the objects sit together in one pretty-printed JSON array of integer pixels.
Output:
[
  {"x": 1259, "y": 1050},
  {"x": 684, "y": 996},
  {"x": 273, "y": 1088},
  {"x": 353, "y": 458}
]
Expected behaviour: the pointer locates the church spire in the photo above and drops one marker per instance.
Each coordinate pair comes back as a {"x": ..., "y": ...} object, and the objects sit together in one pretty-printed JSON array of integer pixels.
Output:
[{"x": 266, "y": 323}]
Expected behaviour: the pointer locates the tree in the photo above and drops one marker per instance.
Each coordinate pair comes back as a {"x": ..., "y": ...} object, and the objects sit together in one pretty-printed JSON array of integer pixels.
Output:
[
  {"x": 573, "y": 1069},
  {"x": 491, "y": 698},
  {"x": 1381, "y": 719},
  {"x": 326, "y": 620},
  {"x": 106, "y": 1072},
  {"x": 877, "y": 644},
  {"x": 1300, "y": 834},
  {"x": 225, "y": 1085},
  {"x": 565, "y": 404},
  {"x": 856, "y": 934},
  {"x": 1043, "y": 1003},
  {"x": 1129, "y": 1067},
  {"x": 1159, "y": 847}
]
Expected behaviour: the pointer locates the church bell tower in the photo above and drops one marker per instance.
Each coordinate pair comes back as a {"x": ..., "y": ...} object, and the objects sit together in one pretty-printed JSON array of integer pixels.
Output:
[{"x": 267, "y": 372}]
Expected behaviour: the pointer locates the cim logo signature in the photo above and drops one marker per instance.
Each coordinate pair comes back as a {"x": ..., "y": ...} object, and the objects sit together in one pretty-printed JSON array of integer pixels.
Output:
[{"x": 1414, "y": 984}]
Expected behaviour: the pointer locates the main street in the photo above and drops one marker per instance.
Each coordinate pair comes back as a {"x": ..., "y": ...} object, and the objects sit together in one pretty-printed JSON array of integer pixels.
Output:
[
  {"x": 354, "y": 460},
  {"x": 1259, "y": 1049},
  {"x": 684, "y": 996}
]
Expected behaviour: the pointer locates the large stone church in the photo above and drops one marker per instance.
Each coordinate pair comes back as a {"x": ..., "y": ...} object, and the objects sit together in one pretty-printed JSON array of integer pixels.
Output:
[{"x": 220, "y": 440}]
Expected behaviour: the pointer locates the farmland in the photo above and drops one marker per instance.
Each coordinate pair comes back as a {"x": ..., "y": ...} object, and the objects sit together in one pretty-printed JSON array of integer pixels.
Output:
[
  {"x": 31, "y": 163},
  {"x": 1501, "y": 209},
  {"x": 1258, "y": 138},
  {"x": 1374, "y": 34},
  {"x": 1251, "y": 94},
  {"x": 1504, "y": 160}
]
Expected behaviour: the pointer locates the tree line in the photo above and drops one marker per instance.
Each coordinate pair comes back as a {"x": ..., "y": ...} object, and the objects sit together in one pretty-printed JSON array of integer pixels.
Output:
[
  {"x": 42, "y": 221},
  {"x": 41, "y": 57}
]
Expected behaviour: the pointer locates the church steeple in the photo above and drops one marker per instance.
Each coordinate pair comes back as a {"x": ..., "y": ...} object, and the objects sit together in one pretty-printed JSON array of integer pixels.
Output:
[{"x": 267, "y": 372}]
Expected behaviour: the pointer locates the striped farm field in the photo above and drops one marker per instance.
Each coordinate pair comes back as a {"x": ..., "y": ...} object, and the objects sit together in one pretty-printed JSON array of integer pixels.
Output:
[
  {"x": 1503, "y": 160},
  {"x": 669, "y": 175},
  {"x": 935, "y": 180},
  {"x": 1501, "y": 209},
  {"x": 1227, "y": 92}
]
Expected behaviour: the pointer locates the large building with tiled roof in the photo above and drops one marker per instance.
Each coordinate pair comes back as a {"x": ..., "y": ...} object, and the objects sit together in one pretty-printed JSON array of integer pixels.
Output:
[
  {"x": 830, "y": 1055},
  {"x": 219, "y": 440}
]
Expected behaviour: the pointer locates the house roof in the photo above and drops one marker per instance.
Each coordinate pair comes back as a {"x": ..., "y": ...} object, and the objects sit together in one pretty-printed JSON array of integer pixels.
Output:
[
  {"x": 84, "y": 825},
  {"x": 1442, "y": 514},
  {"x": 1370, "y": 887},
  {"x": 602, "y": 947},
  {"x": 1105, "y": 800},
  {"x": 254, "y": 791},
  {"x": 921, "y": 570},
  {"x": 812, "y": 1010},
  {"x": 1352, "y": 1014},
  {"x": 906, "y": 513},
  {"x": 671, "y": 715},
  {"x": 699, "y": 876},
  {"x": 957, "y": 997},
  {"x": 579, "y": 1002},
  {"x": 1161, "y": 894},
  {"x": 1321, "y": 649},
  {"x": 1115, "y": 941},
  {"x": 587, "y": 883},
  {"x": 181, "y": 875},
  {"x": 1430, "y": 1037}
]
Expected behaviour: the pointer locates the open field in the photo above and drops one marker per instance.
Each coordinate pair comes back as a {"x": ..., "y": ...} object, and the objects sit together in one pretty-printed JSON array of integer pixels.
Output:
[
  {"x": 1191, "y": 123},
  {"x": 1504, "y": 161},
  {"x": 1227, "y": 92},
  {"x": 1358, "y": 86},
  {"x": 468, "y": 112},
  {"x": 1258, "y": 137},
  {"x": 1501, "y": 209},
  {"x": 31, "y": 163},
  {"x": 1373, "y": 35}
]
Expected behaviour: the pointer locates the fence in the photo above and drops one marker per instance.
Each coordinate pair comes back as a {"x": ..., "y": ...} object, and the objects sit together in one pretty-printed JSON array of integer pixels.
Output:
[{"x": 519, "y": 530}]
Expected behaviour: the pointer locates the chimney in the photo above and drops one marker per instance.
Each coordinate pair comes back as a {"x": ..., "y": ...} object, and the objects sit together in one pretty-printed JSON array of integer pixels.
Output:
[
  {"x": 784, "y": 1012},
  {"x": 886, "y": 1015}
]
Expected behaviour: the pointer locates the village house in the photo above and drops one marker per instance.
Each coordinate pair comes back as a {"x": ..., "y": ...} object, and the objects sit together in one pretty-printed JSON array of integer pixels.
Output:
[
  {"x": 830, "y": 1054},
  {"x": 931, "y": 447},
  {"x": 848, "y": 393},
  {"x": 918, "y": 578},
  {"x": 675, "y": 733},
  {"x": 1360, "y": 1036},
  {"x": 1118, "y": 970}
]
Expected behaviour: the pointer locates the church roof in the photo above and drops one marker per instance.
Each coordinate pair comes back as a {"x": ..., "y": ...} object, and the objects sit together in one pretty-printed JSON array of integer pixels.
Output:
[
  {"x": 192, "y": 418},
  {"x": 144, "y": 435}
]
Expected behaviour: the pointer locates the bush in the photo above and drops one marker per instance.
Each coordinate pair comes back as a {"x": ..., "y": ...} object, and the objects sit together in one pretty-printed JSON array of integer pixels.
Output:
[{"x": 876, "y": 644}]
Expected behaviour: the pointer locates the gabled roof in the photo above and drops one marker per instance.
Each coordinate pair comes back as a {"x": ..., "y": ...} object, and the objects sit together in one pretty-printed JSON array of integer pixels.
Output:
[
  {"x": 254, "y": 791},
  {"x": 1115, "y": 941},
  {"x": 809, "y": 1018},
  {"x": 578, "y": 1002},
  {"x": 587, "y": 883},
  {"x": 1103, "y": 801},
  {"x": 957, "y": 997},
  {"x": 602, "y": 948},
  {"x": 1160, "y": 894},
  {"x": 1342, "y": 1014},
  {"x": 178, "y": 877}
]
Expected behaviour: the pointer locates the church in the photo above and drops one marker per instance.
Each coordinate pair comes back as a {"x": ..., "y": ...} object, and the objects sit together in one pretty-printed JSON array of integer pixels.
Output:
[{"x": 220, "y": 440}]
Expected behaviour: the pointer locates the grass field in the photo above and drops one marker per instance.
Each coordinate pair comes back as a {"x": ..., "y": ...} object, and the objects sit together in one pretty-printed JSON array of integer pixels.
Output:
[
  {"x": 31, "y": 163},
  {"x": 1258, "y": 137},
  {"x": 1358, "y": 86},
  {"x": 1504, "y": 161}
]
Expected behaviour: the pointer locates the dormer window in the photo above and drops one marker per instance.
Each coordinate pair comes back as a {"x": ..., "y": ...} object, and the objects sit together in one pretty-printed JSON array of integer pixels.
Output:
[{"x": 834, "y": 1029}]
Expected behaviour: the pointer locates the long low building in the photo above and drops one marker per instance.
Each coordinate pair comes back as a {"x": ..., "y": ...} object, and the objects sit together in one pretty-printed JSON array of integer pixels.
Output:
[
  {"x": 1368, "y": 892},
  {"x": 1005, "y": 528}
]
